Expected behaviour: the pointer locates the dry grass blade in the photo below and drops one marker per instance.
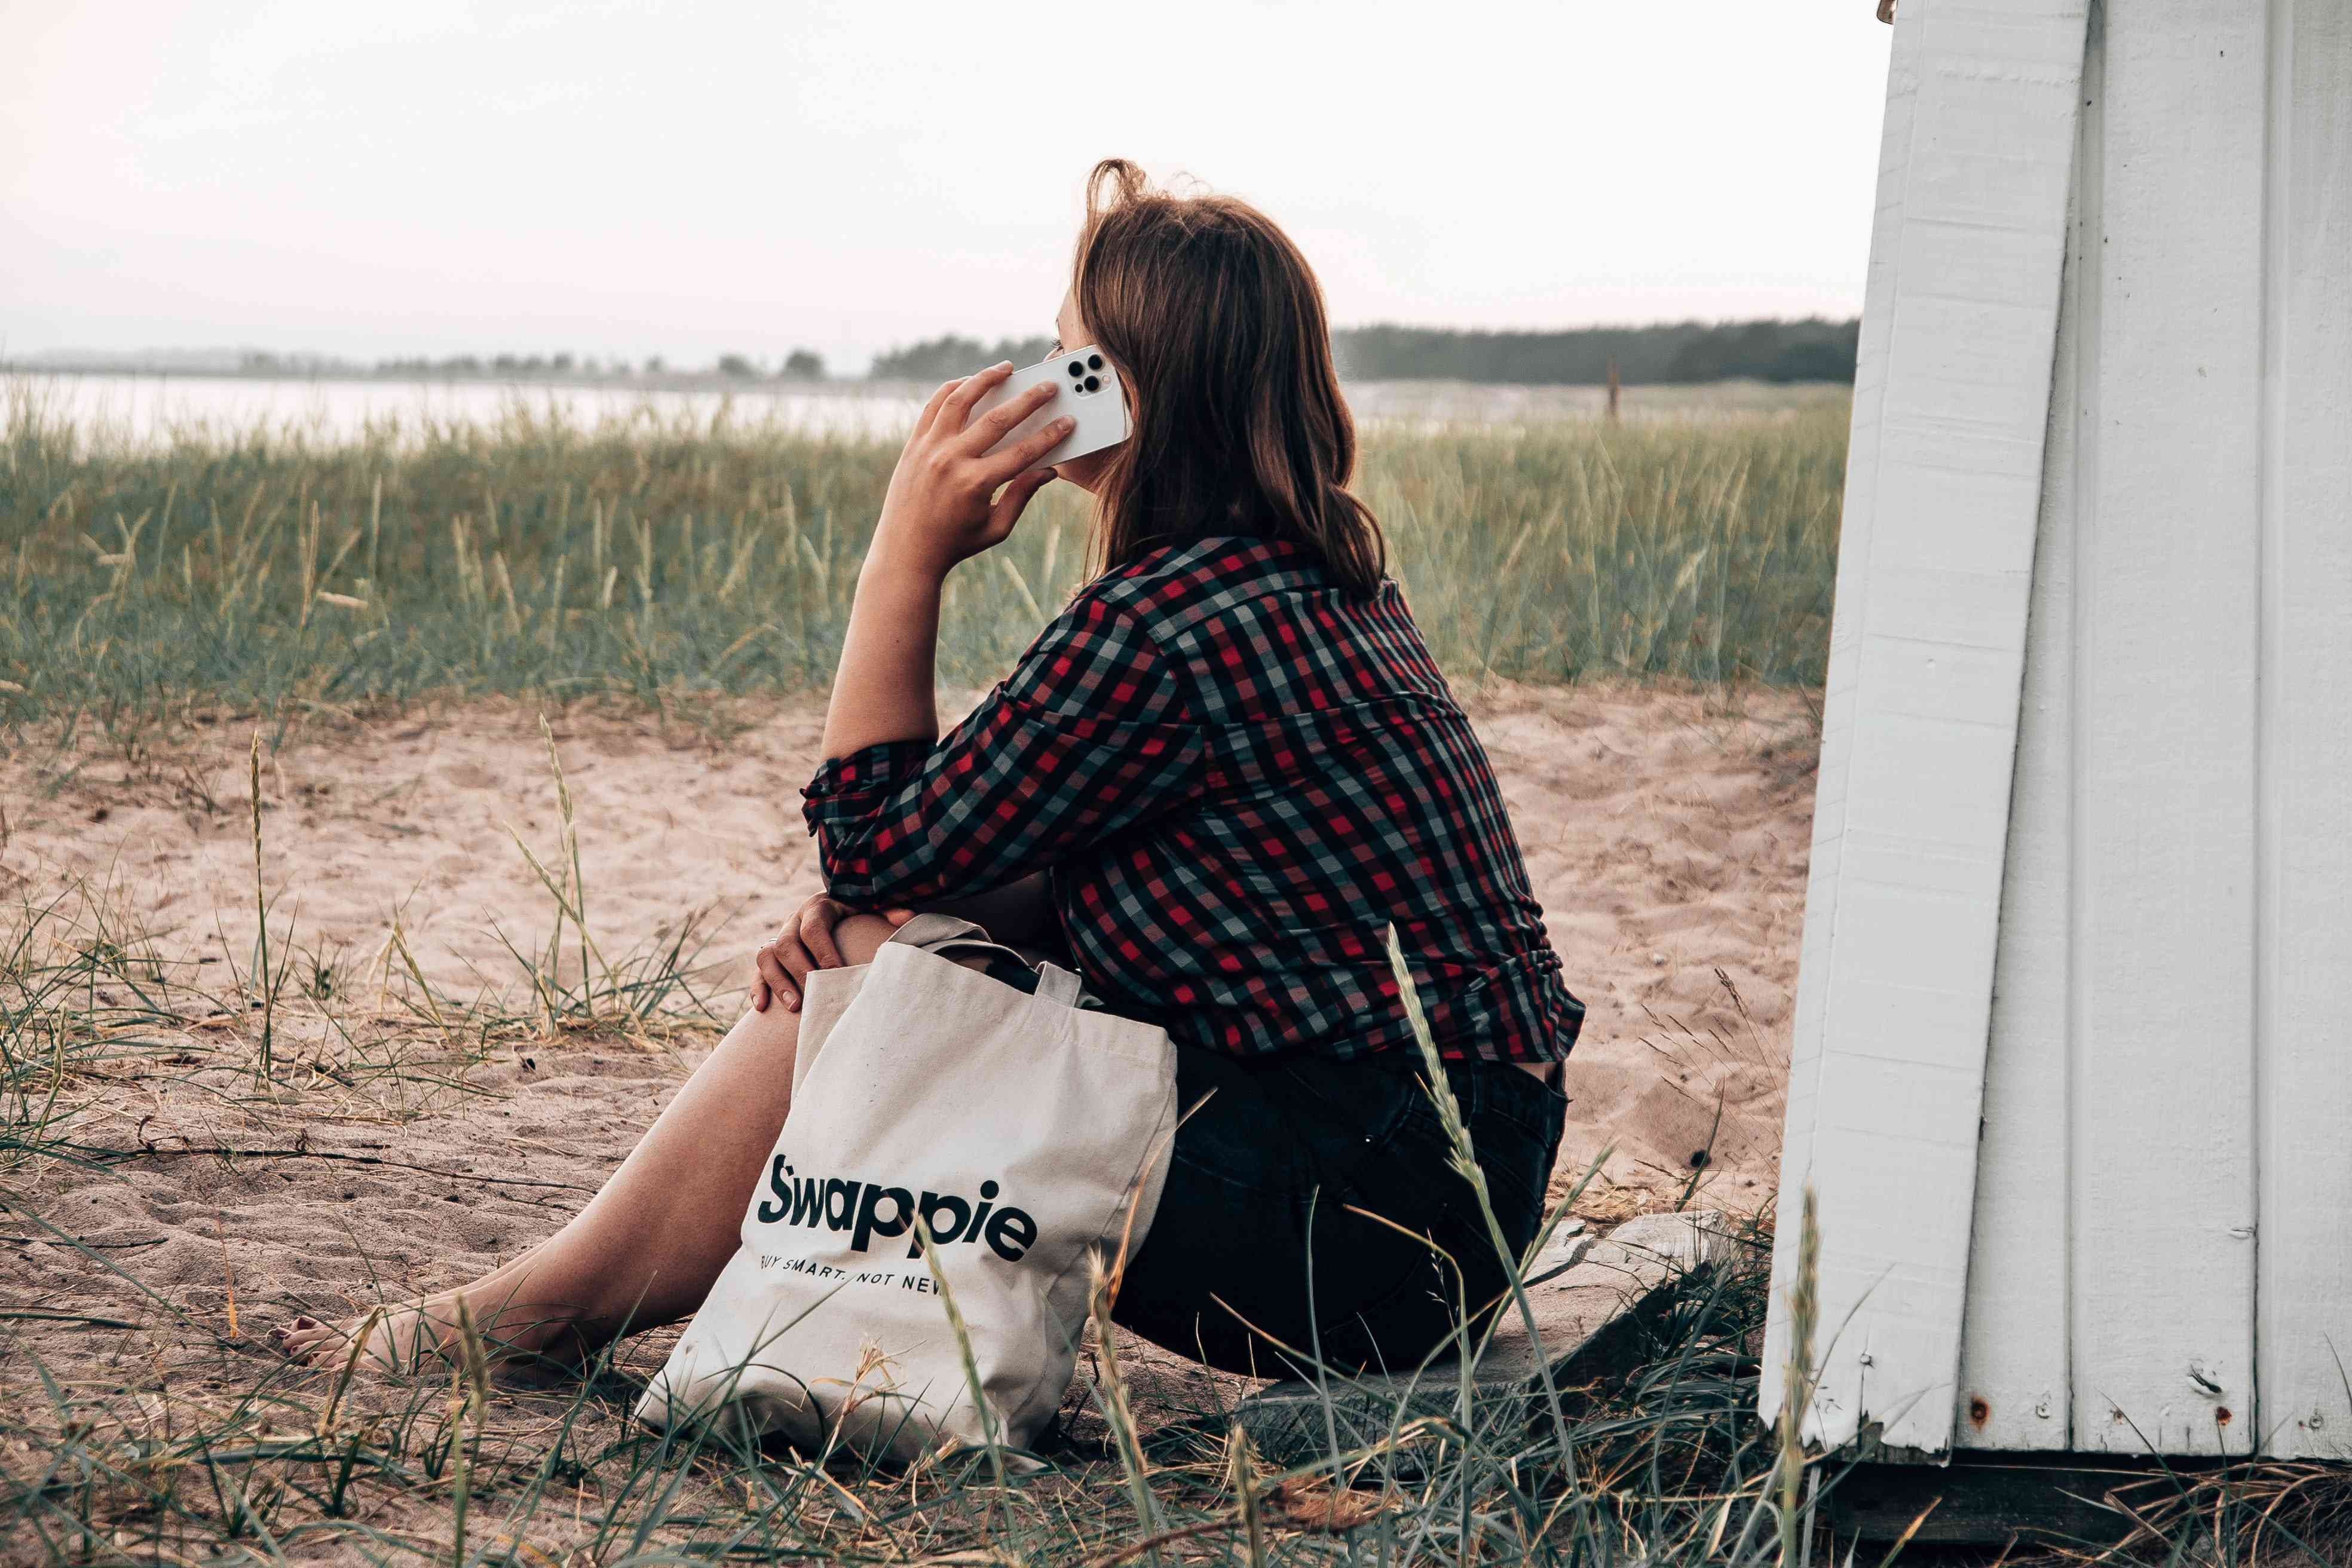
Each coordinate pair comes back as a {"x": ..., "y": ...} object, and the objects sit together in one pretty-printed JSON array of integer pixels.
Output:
[
  {"x": 352, "y": 1354},
  {"x": 1110, "y": 1394},
  {"x": 468, "y": 1409},
  {"x": 1797, "y": 1393},
  {"x": 1242, "y": 1479},
  {"x": 974, "y": 1389},
  {"x": 1466, "y": 1165},
  {"x": 1314, "y": 1503},
  {"x": 261, "y": 1071}
]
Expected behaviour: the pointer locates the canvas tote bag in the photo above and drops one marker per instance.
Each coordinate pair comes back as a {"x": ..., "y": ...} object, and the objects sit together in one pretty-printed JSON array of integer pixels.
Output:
[{"x": 1023, "y": 1128}]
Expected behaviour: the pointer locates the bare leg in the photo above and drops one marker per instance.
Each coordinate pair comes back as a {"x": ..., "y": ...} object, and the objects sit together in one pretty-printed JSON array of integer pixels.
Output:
[{"x": 649, "y": 1245}]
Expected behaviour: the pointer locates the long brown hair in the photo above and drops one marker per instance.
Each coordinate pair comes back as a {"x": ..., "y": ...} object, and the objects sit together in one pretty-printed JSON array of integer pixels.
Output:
[{"x": 1217, "y": 322}]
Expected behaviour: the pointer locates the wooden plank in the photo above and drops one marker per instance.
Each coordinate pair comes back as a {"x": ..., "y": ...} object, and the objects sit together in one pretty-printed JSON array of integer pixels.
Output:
[
  {"x": 1919, "y": 731},
  {"x": 1985, "y": 1502},
  {"x": 2167, "y": 540},
  {"x": 2304, "y": 1250},
  {"x": 1836, "y": 756},
  {"x": 2015, "y": 1377}
]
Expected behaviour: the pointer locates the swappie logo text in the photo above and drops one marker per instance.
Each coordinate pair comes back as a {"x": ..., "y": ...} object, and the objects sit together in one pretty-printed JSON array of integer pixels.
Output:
[{"x": 868, "y": 1209}]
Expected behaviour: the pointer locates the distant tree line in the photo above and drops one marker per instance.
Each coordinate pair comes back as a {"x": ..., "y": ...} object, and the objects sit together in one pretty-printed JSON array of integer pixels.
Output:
[
  {"x": 255, "y": 362},
  {"x": 939, "y": 358},
  {"x": 1808, "y": 349},
  {"x": 800, "y": 365}
]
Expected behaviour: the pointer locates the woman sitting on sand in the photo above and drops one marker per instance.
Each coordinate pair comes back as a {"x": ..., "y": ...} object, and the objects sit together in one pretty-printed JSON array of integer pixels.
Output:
[{"x": 1215, "y": 779}]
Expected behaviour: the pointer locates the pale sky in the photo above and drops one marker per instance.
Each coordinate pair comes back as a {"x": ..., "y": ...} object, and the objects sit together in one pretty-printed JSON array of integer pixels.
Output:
[{"x": 435, "y": 177}]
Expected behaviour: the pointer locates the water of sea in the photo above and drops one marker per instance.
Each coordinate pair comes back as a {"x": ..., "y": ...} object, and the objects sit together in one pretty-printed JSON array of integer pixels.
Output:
[{"x": 147, "y": 410}]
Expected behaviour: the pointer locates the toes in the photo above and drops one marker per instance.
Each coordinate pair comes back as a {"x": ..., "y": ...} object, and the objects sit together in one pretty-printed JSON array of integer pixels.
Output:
[{"x": 299, "y": 1340}]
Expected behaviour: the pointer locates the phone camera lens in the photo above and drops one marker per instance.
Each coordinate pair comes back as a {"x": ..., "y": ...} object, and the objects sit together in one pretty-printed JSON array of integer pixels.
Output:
[
  {"x": 1077, "y": 369},
  {"x": 1094, "y": 362},
  {"x": 1094, "y": 384}
]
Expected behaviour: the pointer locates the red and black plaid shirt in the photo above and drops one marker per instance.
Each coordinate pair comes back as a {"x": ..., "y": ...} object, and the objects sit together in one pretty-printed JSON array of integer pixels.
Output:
[{"x": 1238, "y": 775}]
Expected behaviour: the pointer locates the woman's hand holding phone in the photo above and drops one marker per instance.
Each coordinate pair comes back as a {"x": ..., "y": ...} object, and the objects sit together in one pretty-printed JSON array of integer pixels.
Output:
[{"x": 943, "y": 505}]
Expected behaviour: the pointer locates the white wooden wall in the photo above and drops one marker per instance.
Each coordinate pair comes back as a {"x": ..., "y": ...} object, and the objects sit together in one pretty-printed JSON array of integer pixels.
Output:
[
  {"x": 2159, "y": 1211},
  {"x": 1919, "y": 720}
]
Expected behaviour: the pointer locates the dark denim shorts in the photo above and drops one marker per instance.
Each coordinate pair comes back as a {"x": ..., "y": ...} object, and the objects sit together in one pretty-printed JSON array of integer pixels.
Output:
[{"x": 1256, "y": 1245}]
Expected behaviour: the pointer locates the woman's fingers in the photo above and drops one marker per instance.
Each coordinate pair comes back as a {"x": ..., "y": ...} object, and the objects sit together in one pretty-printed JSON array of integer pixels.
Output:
[
  {"x": 958, "y": 406},
  {"x": 781, "y": 968},
  {"x": 794, "y": 955},
  {"x": 774, "y": 979},
  {"x": 1028, "y": 452},
  {"x": 814, "y": 929},
  {"x": 1013, "y": 500},
  {"x": 990, "y": 428},
  {"x": 930, "y": 413}
]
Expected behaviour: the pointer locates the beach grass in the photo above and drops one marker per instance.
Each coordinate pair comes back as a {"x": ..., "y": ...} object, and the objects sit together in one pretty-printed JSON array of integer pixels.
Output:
[{"x": 673, "y": 560}]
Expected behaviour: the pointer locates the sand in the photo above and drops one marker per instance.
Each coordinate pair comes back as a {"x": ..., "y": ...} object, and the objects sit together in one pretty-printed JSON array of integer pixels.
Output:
[{"x": 1665, "y": 833}]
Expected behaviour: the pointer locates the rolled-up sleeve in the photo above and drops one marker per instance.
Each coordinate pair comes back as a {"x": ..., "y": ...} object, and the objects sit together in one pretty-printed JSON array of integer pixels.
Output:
[{"x": 1090, "y": 734}]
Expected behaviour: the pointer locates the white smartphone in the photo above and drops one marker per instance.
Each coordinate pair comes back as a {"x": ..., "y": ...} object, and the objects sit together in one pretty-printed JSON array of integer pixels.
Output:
[{"x": 1090, "y": 395}]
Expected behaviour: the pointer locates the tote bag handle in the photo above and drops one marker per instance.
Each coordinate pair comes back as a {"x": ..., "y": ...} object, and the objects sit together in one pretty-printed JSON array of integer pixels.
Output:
[
  {"x": 950, "y": 938},
  {"x": 945, "y": 935}
]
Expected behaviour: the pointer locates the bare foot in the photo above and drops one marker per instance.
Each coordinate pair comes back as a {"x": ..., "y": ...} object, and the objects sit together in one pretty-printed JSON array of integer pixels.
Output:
[
  {"x": 307, "y": 1342},
  {"x": 644, "y": 1250},
  {"x": 404, "y": 1340}
]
